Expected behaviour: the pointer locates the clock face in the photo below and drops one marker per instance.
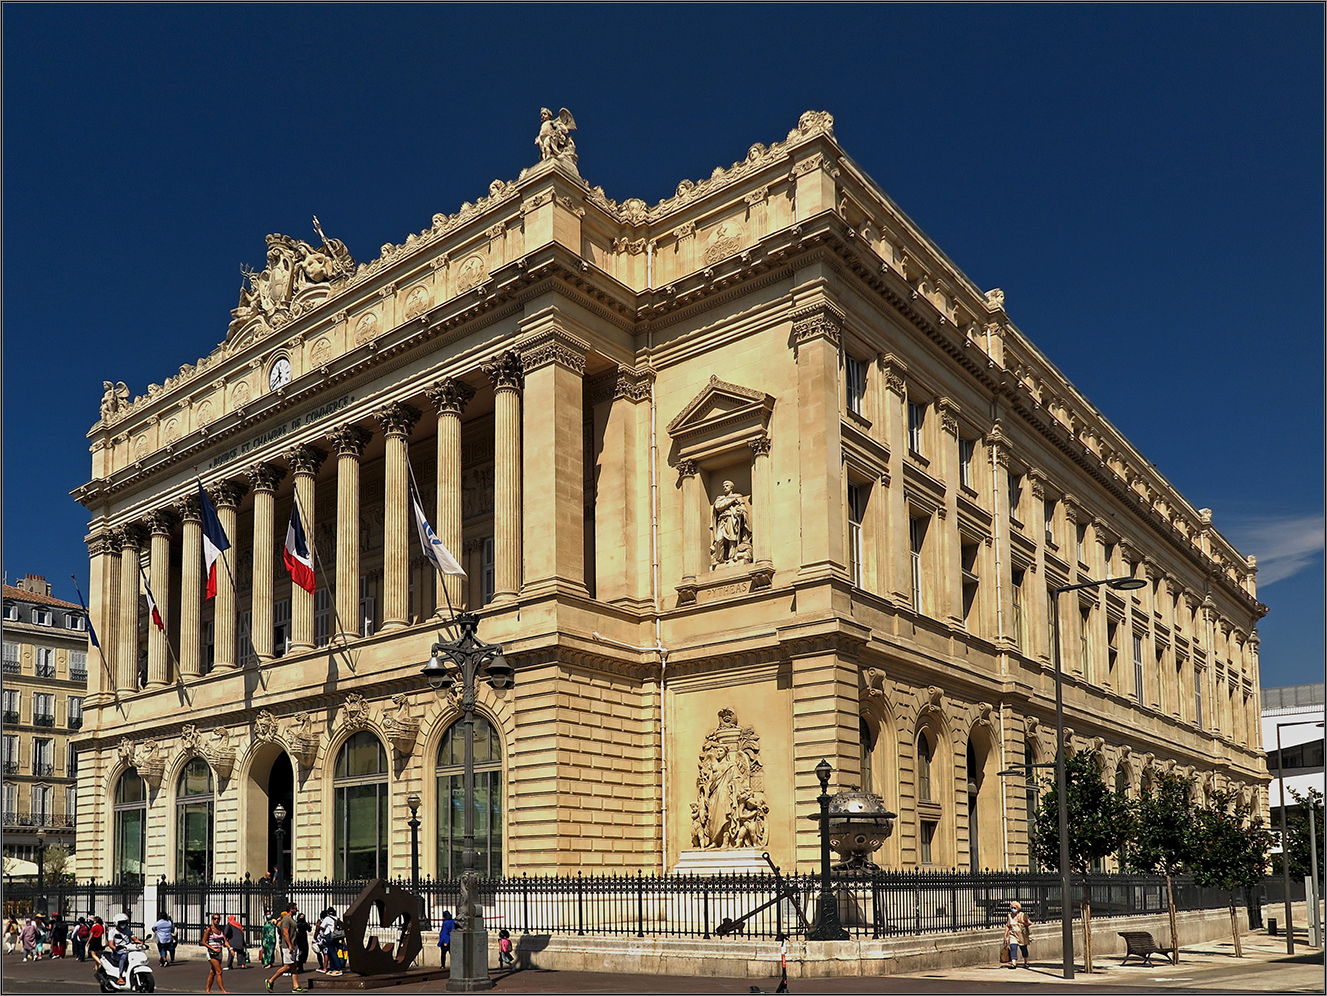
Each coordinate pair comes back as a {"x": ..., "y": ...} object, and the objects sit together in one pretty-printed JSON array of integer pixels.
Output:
[{"x": 280, "y": 375}]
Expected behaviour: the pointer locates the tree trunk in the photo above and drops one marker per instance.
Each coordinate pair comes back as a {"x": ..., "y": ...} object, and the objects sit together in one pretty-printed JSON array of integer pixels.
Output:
[
  {"x": 1234, "y": 930},
  {"x": 1174, "y": 926},
  {"x": 1087, "y": 930}
]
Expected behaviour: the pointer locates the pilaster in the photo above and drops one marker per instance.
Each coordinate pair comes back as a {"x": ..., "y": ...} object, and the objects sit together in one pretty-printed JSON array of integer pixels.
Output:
[{"x": 816, "y": 335}]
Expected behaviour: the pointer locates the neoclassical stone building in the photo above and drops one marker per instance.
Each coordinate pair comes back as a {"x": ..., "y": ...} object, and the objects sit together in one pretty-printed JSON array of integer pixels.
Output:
[{"x": 742, "y": 480}]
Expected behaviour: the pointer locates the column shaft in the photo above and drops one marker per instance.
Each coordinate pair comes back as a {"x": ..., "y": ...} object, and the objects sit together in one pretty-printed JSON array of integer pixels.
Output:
[
  {"x": 126, "y": 669},
  {"x": 762, "y": 501},
  {"x": 158, "y": 649},
  {"x": 397, "y": 421},
  {"x": 508, "y": 378},
  {"x": 191, "y": 588},
  {"x": 349, "y": 442},
  {"x": 226, "y": 497},
  {"x": 263, "y": 479},
  {"x": 304, "y": 461},
  {"x": 450, "y": 397}
]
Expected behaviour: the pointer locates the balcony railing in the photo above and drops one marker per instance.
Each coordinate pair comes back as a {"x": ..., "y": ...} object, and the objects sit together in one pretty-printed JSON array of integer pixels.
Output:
[
  {"x": 13, "y": 667},
  {"x": 10, "y": 716},
  {"x": 78, "y": 674},
  {"x": 43, "y": 769},
  {"x": 15, "y": 818},
  {"x": 11, "y": 767},
  {"x": 45, "y": 670},
  {"x": 43, "y": 719},
  {"x": 75, "y": 723}
]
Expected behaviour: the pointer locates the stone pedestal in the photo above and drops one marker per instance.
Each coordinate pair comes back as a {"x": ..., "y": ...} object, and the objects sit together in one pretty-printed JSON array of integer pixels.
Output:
[
  {"x": 469, "y": 956},
  {"x": 722, "y": 861}
]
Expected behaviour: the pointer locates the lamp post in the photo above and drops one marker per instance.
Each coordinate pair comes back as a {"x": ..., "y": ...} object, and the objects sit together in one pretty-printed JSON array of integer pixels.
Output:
[
  {"x": 412, "y": 800},
  {"x": 464, "y": 659},
  {"x": 1285, "y": 840},
  {"x": 828, "y": 927},
  {"x": 279, "y": 814},
  {"x": 1061, "y": 791},
  {"x": 41, "y": 868}
]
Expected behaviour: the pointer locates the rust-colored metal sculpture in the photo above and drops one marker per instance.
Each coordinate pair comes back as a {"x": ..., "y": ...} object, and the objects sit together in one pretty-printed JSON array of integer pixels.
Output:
[{"x": 393, "y": 903}]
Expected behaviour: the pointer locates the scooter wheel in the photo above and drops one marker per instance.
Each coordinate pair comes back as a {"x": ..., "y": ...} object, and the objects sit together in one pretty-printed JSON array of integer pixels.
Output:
[{"x": 148, "y": 984}]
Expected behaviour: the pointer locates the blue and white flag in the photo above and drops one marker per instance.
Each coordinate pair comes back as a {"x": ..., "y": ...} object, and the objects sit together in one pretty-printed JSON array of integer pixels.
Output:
[{"x": 439, "y": 556}]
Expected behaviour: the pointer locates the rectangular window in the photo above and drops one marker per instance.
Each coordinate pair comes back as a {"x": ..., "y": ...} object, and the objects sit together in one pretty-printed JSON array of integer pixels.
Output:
[
  {"x": 76, "y": 621},
  {"x": 1016, "y": 616},
  {"x": 854, "y": 376},
  {"x": 1085, "y": 641},
  {"x": 1015, "y": 493},
  {"x": 916, "y": 538},
  {"x": 209, "y": 646},
  {"x": 1198, "y": 697},
  {"x": 43, "y": 757},
  {"x": 968, "y": 560},
  {"x": 280, "y": 627},
  {"x": 487, "y": 571},
  {"x": 1138, "y": 668},
  {"x": 1049, "y": 508},
  {"x": 966, "y": 447},
  {"x": 45, "y": 662},
  {"x": 1082, "y": 544},
  {"x": 43, "y": 709},
  {"x": 78, "y": 665},
  {"x": 11, "y": 753},
  {"x": 856, "y": 513},
  {"x": 916, "y": 420},
  {"x": 322, "y": 616},
  {"x": 1112, "y": 646},
  {"x": 12, "y": 702},
  {"x": 1110, "y": 559},
  {"x": 41, "y": 805},
  {"x": 1055, "y": 651},
  {"x": 74, "y": 710},
  {"x": 11, "y": 803},
  {"x": 71, "y": 763},
  {"x": 927, "y": 841},
  {"x": 12, "y": 665},
  {"x": 41, "y": 616},
  {"x": 244, "y": 638},
  {"x": 366, "y": 613},
  {"x": 11, "y": 612},
  {"x": 71, "y": 803}
]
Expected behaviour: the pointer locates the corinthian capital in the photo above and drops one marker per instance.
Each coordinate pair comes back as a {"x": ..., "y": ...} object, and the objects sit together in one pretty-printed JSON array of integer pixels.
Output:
[
  {"x": 265, "y": 477},
  {"x": 349, "y": 440},
  {"x": 305, "y": 460},
  {"x": 397, "y": 419},
  {"x": 450, "y": 396},
  {"x": 506, "y": 372},
  {"x": 227, "y": 494}
]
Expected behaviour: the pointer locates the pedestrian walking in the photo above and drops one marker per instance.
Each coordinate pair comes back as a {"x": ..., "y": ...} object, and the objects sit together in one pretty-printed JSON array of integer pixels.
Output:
[
  {"x": 268, "y": 954},
  {"x": 96, "y": 938},
  {"x": 59, "y": 935},
  {"x": 43, "y": 937},
  {"x": 79, "y": 938},
  {"x": 286, "y": 936},
  {"x": 27, "y": 936},
  {"x": 445, "y": 935},
  {"x": 214, "y": 939},
  {"x": 239, "y": 951},
  {"x": 12, "y": 942},
  {"x": 505, "y": 957},
  {"x": 1017, "y": 933},
  {"x": 164, "y": 928}
]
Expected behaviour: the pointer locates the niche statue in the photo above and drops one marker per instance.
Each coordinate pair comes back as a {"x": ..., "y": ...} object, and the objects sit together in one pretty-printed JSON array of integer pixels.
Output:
[{"x": 731, "y": 528}]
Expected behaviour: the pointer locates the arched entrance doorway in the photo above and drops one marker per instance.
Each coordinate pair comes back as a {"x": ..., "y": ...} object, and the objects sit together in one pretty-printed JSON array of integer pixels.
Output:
[
  {"x": 271, "y": 782},
  {"x": 281, "y": 791}
]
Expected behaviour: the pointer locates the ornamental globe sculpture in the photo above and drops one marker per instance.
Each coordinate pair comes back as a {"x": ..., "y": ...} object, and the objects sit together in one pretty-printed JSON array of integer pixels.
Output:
[{"x": 859, "y": 824}]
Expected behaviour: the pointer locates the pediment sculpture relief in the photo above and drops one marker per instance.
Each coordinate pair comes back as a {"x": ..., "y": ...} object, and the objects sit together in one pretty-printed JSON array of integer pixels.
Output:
[
  {"x": 297, "y": 275},
  {"x": 730, "y": 810}
]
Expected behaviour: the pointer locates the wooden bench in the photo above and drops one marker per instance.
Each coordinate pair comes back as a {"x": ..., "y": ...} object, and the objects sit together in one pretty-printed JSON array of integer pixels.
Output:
[{"x": 1140, "y": 943}]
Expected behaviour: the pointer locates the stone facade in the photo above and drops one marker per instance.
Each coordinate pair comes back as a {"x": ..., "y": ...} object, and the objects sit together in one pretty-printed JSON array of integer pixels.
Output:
[{"x": 757, "y": 449}]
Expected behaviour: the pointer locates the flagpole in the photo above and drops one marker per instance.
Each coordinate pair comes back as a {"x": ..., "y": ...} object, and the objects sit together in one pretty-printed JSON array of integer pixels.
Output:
[
  {"x": 105, "y": 664},
  {"x": 225, "y": 562},
  {"x": 313, "y": 548},
  {"x": 442, "y": 578}
]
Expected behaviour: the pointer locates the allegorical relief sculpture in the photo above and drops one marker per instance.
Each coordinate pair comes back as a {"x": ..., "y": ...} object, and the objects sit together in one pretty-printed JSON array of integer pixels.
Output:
[
  {"x": 554, "y": 138},
  {"x": 730, "y": 528},
  {"x": 275, "y": 295},
  {"x": 730, "y": 810},
  {"x": 116, "y": 398}
]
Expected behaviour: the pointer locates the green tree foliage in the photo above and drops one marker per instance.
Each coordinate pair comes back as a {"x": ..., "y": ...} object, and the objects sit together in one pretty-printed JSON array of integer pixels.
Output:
[
  {"x": 1100, "y": 822},
  {"x": 1165, "y": 825},
  {"x": 58, "y": 864},
  {"x": 1297, "y": 829},
  {"x": 1230, "y": 850}
]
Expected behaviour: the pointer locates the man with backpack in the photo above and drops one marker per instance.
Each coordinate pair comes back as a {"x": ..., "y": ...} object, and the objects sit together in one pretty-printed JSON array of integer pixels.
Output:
[{"x": 331, "y": 934}]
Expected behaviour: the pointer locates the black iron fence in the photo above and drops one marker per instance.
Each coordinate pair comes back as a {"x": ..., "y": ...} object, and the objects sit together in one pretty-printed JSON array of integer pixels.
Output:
[{"x": 871, "y": 904}]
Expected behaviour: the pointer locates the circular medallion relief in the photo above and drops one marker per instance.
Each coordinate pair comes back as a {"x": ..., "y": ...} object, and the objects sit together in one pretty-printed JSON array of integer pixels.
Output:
[
  {"x": 239, "y": 394},
  {"x": 416, "y": 303},
  {"x": 321, "y": 352},
  {"x": 471, "y": 274},
  {"x": 204, "y": 412},
  {"x": 172, "y": 430},
  {"x": 367, "y": 327}
]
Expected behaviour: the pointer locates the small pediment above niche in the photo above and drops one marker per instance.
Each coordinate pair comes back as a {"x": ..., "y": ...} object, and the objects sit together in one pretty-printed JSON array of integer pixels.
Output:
[{"x": 721, "y": 418}]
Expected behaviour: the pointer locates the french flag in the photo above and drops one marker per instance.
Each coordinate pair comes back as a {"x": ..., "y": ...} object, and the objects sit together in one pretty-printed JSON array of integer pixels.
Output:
[
  {"x": 296, "y": 555},
  {"x": 151, "y": 602},
  {"x": 214, "y": 539}
]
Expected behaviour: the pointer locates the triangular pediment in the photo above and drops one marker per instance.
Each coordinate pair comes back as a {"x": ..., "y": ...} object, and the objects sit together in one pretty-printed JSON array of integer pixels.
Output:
[{"x": 721, "y": 413}]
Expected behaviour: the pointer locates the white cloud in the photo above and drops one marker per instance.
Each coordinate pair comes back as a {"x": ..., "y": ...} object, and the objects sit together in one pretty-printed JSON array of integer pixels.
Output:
[{"x": 1284, "y": 545}]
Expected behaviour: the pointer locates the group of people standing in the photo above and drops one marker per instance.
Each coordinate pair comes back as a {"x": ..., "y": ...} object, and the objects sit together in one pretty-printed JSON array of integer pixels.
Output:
[{"x": 40, "y": 938}]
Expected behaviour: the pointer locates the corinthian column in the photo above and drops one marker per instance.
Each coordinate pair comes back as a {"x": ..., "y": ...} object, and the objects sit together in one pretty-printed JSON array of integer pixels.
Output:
[
  {"x": 103, "y": 594},
  {"x": 349, "y": 442},
  {"x": 304, "y": 462},
  {"x": 126, "y": 668},
  {"x": 226, "y": 497},
  {"x": 191, "y": 586},
  {"x": 691, "y": 527},
  {"x": 450, "y": 397},
  {"x": 263, "y": 479},
  {"x": 397, "y": 420},
  {"x": 161, "y": 524},
  {"x": 508, "y": 379}
]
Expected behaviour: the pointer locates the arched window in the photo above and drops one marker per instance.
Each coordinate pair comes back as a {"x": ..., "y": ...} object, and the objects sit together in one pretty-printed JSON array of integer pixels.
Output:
[
  {"x": 868, "y": 738},
  {"x": 130, "y": 854},
  {"x": 193, "y": 822},
  {"x": 488, "y": 800},
  {"x": 924, "y": 754},
  {"x": 360, "y": 787},
  {"x": 1031, "y": 790}
]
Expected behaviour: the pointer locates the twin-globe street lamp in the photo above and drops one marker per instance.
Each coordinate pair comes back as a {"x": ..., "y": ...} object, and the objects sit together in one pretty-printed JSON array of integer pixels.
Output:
[
  {"x": 1066, "y": 916},
  {"x": 464, "y": 659}
]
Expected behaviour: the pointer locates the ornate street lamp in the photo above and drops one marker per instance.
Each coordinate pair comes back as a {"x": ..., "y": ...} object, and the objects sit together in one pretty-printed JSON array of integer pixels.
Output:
[
  {"x": 464, "y": 659},
  {"x": 1062, "y": 797},
  {"x": 279, "y": 814},
  {"x": 828, "y": 927},
  {"x": 412, "y": 800}
]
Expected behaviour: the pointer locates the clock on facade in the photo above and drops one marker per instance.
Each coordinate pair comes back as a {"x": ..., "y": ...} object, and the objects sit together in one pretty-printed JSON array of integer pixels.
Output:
[{"x": 280, "y": 375}]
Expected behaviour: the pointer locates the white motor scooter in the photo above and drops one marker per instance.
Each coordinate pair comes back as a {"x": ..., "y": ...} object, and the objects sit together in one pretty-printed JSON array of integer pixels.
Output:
[{"x": 138, "y": 977}]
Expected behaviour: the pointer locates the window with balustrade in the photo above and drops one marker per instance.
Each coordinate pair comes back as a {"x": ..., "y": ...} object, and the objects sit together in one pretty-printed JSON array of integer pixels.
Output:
[
  {"x": 43, "y": 757},
  {"x": 12, "y": 665},
  {"x": 13, "y": 701},
  {"x": 74, "y": 712},
  {"x": 78, "y": 665},
  {"x": 43, "y": 709},
  {"x": 45, "y": 662}
]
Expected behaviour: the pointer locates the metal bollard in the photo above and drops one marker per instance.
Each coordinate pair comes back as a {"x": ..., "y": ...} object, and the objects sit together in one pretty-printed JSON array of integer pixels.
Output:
[{"x": 1271, "y": 926}]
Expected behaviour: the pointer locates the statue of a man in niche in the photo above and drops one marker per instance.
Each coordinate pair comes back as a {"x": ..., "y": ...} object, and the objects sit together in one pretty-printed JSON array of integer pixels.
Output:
[{"x": 731, "y": 529}]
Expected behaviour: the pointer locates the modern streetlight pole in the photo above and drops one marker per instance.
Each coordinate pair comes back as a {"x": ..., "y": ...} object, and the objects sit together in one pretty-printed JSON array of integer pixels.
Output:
[
  {"x": 1061, "y": 791},
  {"x": 467, "y": 657}
]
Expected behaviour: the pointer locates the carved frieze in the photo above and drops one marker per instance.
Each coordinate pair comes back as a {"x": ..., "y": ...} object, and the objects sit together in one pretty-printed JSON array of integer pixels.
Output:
[{"x": 553, "y": 346}]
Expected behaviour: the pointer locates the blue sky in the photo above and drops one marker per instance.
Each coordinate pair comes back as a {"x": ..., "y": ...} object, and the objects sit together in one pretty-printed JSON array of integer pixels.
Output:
[{"x": 1144, "y": 182}]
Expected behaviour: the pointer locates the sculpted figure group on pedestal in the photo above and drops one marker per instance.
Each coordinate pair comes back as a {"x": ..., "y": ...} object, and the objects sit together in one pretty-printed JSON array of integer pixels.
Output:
[
  {"x": 730, "y": 810},
  {"x": 731, "y": 528},
  {"x": 554, "y": 138},
  {"x": 293, "y": 266}
]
